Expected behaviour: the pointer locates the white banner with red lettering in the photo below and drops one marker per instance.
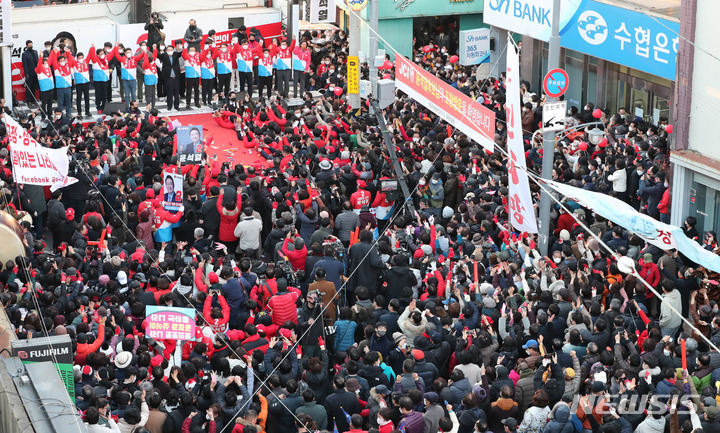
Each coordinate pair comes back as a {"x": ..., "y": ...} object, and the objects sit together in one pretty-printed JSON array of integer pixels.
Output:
[
  {"x": 520, "y": 204},
  {"x": 33, "y": 164}
]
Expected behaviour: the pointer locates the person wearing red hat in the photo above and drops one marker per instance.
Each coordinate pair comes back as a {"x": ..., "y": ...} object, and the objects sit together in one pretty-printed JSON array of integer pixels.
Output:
[{"x": 67, "y": 228}]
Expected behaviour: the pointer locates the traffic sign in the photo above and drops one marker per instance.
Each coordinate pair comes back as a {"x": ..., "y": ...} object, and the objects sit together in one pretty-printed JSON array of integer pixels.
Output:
[
  {"x": 554, "y": 116},
  {"x": 556, "y": 82}
]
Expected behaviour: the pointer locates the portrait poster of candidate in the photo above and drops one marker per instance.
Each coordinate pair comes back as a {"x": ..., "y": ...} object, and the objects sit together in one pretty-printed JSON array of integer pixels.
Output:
[
  {"x": 190, "y": 144},
  {"x": 172, "y": 191}
]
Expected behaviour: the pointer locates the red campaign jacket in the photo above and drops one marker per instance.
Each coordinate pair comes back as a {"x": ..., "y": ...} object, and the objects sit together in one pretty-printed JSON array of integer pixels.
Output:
[
  {"x": 217, "y": 325},
  {"x": 282, "y": 307},
  {"x": 228, "y": 222},
  {"x": 296, "y": 257}
]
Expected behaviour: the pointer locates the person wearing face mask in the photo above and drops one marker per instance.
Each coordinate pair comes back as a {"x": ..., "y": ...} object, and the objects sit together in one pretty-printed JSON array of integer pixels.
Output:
[
  {"x": 265, "y": 71},
  {"x": 192, "y": 75},
  {"x": 283, "y": 65},
  {"x": 63, "y": 78},
  {"x": 170, "y": 75},
  {"x": 128, "y": 71},
  {"x": 301, "y": 65},
  {"x": 29, "y": 62},
  {"x": 207, "y": 73},
  {"x": 150, "y": 76},
  {"x": 225, "y": 59},
  {"x": 46, "y": 83},
  {"x": 245, "y": 57},
  {"x": 81, "y": 75},
  {"x": 100, "y": 76},
  {"x": 193, "y": 36}
]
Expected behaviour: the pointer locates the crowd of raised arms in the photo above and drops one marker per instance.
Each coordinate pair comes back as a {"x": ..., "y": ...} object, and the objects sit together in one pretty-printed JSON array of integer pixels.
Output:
[{"x": 323, "y": 303}]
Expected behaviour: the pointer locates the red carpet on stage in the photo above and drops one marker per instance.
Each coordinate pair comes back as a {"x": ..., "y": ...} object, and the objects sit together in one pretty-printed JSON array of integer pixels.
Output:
[{"x": 224, "y": 141}]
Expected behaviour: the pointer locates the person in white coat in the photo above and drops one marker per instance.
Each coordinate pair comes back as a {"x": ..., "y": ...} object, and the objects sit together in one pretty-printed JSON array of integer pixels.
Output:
[{"x": 619, "y": 180}]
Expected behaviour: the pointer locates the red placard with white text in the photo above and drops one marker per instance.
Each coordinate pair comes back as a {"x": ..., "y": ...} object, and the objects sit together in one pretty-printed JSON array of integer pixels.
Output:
[{"x": 469, "y": 116}]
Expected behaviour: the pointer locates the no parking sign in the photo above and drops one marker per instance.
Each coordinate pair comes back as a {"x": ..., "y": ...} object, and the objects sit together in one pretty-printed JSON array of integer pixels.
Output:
[{"x": 556, "y": 83}]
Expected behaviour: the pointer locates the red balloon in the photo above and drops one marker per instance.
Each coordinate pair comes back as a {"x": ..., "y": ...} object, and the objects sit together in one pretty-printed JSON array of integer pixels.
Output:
[
  {"x": 597, "y": 113},
  {"x": 603, "y": 143},
  {"x": 669, "y": 129},
  {"x": 388, "y": 64},
  {"x": 427, "y": 49},
  {"x": 338, "y": 91},
  {"x": 582, "y": 146},
  {"x": 454, "y": 59},
  {"x": 387, "y": 77}
]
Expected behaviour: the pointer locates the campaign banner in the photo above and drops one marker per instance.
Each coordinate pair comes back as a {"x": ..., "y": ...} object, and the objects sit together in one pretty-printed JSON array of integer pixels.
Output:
[
  {"x": 520, "y": 203},
  {"x": 626, "y": 37},
  {"x": 170, "y": 323},
  {"x": 190, "y": 144},
  {"x": 322, "y": 11},
  {"x": 469, "y": 116},
  {"x": 33, "y": 164},
  {"x": 56, "y": 349},
  {"x": 529, "y": 17},
  {"x": 474, "y": 46},
  {"x": 172, "y": 192},
  {"x": 663, "y": 236}
]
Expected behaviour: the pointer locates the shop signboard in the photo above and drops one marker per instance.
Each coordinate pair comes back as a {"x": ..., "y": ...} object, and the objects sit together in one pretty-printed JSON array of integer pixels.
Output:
[
  {"x": 56, "y": 349},
  {"x": 619, "y": 35},
  {"x": 625, "y": 37},
  {"x": 474, "y": 46},
  {"x": 322, "y": 11},
  {"x": 469, "y": 116},
  {"x": 353, "y": 73},
  {"x": 414, "y": 8},
  {"x": 529, "y": 17}
]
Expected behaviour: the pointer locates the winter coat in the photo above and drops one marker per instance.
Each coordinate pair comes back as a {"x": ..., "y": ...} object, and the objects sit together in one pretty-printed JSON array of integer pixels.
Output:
[
  {"x": 344, "y": 334},
  {"x": 561, "y": 423},
  {"x": 235, "y": 295},
  {"x": 397, "y": 278},
  {"x": 364, "y": 265},
  {"x": 651, "y": 425},
  {"x": 534, "y": 420},
  {"x": 56, "y": 213},
  {"x": 499, "y": 410},
  {"x": 431, "y": 418},
  {"x": 668, "y": 319},
  {"x": 337, "y": 402},
  {"x": 283, "y": 307},
  {"x": 525, "y": 389}
]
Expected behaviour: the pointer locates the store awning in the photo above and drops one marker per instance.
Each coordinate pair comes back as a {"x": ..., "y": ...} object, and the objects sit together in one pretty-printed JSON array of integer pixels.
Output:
[{"x": 306, "y": 25}]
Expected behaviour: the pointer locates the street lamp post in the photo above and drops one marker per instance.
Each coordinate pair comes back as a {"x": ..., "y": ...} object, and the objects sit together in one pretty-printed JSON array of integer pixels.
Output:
[{"x": 549, "y": 136}]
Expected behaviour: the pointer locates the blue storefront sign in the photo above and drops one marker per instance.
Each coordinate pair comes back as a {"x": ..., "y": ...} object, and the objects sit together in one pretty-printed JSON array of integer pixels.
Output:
[{"x": 625, "y": 37}]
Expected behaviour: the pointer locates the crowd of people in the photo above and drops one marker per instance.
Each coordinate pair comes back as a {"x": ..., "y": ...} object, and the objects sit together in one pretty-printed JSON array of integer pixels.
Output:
[{"x": 325, "y": 304}]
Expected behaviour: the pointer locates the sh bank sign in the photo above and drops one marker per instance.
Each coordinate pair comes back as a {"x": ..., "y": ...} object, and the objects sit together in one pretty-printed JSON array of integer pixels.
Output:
[
  {"x": 616, "y": 34},
  {"x": 530, "y": 17}
]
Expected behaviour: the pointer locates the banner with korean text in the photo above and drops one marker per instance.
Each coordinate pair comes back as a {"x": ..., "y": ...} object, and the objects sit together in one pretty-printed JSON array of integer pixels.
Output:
[
  {"x": 469, "y": 116},
  {"x": 520, "y": 204},
  {"x": 663, "y": 236},
  {"x": 170, "y": 323},
  {"x": 322, "y": 11},
  {"x": 33, "y": 164}
]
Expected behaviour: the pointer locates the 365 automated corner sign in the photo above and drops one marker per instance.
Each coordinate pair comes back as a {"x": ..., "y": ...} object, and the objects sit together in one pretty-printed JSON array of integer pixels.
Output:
[{"x": 556, "y": 83}]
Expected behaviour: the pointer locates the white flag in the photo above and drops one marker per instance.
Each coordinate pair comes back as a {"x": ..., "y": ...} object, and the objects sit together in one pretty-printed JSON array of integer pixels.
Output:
[
  {"x": 520, "y": 204},
  {"x": 33, "y": 164}
]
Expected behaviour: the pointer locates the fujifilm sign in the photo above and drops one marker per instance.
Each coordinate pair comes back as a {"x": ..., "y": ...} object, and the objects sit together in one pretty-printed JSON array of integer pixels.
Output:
[{"x": 529, "y": 17}]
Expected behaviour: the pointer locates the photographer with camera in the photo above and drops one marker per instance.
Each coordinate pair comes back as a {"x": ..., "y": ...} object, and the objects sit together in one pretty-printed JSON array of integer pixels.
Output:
[{"x": 154, "y": 27}]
